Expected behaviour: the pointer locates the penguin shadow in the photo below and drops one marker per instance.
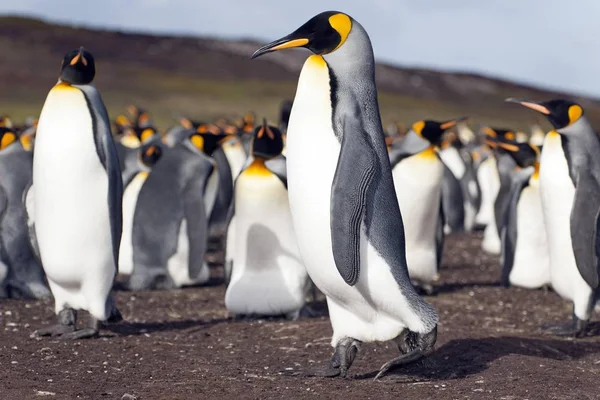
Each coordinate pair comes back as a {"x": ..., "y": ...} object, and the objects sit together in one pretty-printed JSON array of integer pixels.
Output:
[
  {"x": 125, "y": 328},
  {"x": 461, "y": 358}
]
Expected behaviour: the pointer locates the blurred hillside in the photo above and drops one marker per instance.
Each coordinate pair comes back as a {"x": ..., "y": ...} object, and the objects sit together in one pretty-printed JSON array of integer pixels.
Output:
[{"x": 204, "y": 77}]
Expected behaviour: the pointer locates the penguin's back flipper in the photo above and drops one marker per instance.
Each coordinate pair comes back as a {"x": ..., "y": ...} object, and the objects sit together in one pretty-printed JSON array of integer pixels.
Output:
[
  {"x": 354, "y": 173},
  {"x": 108, "y": 154},
  {"x": 509, "y": 231},
  {"x": 439, "y": 235},
  {"x": 584, "y": 230},
  {"x": 278, "y": 167},
  {"x": 453, "y": 202}
]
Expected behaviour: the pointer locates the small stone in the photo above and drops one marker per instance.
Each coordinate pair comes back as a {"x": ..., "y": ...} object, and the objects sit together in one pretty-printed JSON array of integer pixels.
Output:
[{"x": 128, "y": 396}]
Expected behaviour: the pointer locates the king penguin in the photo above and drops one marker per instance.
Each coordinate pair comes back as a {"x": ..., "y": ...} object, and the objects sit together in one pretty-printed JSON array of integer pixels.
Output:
[
  {"x": 24, "y": 275},
  {"x": 344, "y": 207},
  {"x": 418, "y": 178},
  {"x": 267, "y": 274},
  {"x": 170, "y": 224},
  {"x": 147, "y": 156},
  {"x": 77, "y": 199},
  {"x": 525, "y": 255},
  {"x": 570, "y": 189}
]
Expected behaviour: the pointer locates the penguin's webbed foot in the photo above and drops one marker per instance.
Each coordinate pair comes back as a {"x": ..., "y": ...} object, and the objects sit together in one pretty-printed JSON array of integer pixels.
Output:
[
  {"x": 340, "y": 362},
  {"x": 575, "y": 328},
  {"x": 412, "y": 346},
  {"x": 85, "y": 333},
  {"x": 66, "y": 324}
]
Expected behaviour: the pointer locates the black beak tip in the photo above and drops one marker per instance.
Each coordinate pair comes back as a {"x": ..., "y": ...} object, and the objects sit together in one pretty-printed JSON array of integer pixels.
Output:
[{"x": 258, "y": 53}]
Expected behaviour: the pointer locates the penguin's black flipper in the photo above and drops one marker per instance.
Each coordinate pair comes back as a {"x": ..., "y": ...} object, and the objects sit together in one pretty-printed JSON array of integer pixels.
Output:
[
  {"x": 354, "y": 174},
  {"x": 278, "y": 166},
  {"x": 585, "y": 225},
  {"x": 109, "y": 157},
  {"x": 509, "y": 232},
  {"x": 439, "y": 235},
  {"x": 453, "y": 201},
  {"x": 194, "y": 212}
]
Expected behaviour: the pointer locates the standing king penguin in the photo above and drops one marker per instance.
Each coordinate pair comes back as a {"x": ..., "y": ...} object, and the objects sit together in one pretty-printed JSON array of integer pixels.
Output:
[
  {"x": 267, "y": 274},
  {"x": 418, "y": 178},
  {"x": 344, "y": 207},
  {"x": 77, "y": 199},
  {"x": 570, "y": 189},
  {"x": 525, "y": 257}
]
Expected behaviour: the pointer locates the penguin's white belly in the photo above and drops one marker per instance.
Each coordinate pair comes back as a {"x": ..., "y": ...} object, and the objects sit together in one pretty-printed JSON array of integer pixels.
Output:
[
  {"x": 268, "y": 277},
  {"x": 130, "y": 196},
  {"x": 531, "y": 266},
  {"x": 236, "y": 157},
  {"x": 178, "y": 263},
  {"x": 491, "y": 241},
  {"x": 558, "y": 193},
  {"x": 211, "y": 191},
  {"x": 486, "y": 210},
  {"x": 417, "y": 180},
  {"x": 71, "y": 205},
  {"x": 451, "y": 157},
  {"x": 374, "y": 309}
]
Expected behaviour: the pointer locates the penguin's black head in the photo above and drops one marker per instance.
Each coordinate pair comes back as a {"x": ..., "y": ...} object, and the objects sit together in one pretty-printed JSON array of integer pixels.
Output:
[
  {"x": 524, "y": 154},
  {"x": 150, "y": 155},
  {"x": 267, "y": 142},
  {"x": 78, "y": 67},
  {"x": 207, "y": 142},
  {"x": 322, "y": 34},
  {"x": 434, "y": 130},
  {"x": 7, "y": 137},
  {"x": 561, "y": 113},
  {"x": 492, "y": 135}
]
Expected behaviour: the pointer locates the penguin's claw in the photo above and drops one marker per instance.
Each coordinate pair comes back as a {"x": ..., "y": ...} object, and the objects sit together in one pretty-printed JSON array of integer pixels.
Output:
[{"x": 400, "y": 360}]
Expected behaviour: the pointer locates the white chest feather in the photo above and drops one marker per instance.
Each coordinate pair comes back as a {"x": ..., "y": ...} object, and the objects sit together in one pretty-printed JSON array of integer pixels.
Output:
[
  {"x": 130, "y": 196},
  {"x": 451, "y": 157},
  {"x": 490, "y": 182},
  {"x": 71, "y": 204},
  {"x": 268, "y": 276},
  {"x": 531, "y": 266},
  {"x": 558, "y": 193},
  {"x": 417, "y": 181}
]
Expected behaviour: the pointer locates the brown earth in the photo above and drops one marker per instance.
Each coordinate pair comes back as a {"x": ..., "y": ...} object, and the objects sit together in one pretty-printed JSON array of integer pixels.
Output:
[{"x": 182, "y": 344}]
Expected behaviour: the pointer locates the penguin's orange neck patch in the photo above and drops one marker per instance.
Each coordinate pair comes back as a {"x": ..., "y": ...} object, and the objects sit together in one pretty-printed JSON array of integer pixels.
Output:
[
  {"x": 258, "y": 168},
  {"x": 536, "y": 172},
  {"x": 428, "y": 153},
  {"x": 316, "y": 61},
  {"x": 63, "y": 86}
]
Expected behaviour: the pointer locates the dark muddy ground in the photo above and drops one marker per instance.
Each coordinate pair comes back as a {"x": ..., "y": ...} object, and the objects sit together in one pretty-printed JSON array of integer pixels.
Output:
[{"x": 183, "y": 345}]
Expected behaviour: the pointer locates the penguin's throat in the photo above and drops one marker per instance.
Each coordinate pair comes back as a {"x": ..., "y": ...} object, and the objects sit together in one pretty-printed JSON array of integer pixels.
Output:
[
  {"x": 428, "y": 153},
  {"x": 258, "y": 167},
  {"x": 62, "y": 85}
]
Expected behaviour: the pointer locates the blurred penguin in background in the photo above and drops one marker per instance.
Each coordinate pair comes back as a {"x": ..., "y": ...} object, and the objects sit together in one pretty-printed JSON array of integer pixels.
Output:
[{"x": 267, "y": 276}]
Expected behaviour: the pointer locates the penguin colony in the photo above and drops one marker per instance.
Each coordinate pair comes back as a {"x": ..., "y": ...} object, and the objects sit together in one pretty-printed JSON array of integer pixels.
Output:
[{"x": 325, "y": 200}]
